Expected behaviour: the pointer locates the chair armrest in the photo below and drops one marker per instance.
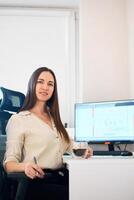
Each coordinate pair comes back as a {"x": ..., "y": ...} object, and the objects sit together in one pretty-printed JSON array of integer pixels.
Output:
[{"x": 16, "y": 175}]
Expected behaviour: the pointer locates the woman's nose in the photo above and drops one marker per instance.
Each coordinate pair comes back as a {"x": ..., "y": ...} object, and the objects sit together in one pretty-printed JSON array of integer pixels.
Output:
[{"x": 45, "y": 86}]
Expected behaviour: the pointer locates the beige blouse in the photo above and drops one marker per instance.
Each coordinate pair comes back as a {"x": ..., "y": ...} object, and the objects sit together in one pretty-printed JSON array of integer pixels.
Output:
[{"x": 28, "y": 136}]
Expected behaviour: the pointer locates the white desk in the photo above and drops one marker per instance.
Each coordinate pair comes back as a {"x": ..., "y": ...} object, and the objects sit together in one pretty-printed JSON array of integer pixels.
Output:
[{"x": 110, "y": 178}]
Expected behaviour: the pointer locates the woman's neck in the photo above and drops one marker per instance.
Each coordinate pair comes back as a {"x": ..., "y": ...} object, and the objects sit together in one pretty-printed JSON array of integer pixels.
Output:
[{"x": 39, "y": 108}]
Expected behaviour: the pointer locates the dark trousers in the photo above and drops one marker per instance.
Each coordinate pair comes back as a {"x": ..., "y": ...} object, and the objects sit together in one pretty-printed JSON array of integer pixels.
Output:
[{"x": 54, "y": 186}]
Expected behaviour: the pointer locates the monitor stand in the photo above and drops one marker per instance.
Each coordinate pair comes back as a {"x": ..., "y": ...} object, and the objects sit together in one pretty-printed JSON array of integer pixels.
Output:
[{"x": 111, "y": 147}]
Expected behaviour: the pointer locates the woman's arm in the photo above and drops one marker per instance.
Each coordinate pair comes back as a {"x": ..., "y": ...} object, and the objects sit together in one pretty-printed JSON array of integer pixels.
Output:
[
  {"x": 14, "y": 144},
  {"x": 30, "y": 169},
  {"x": 14, "y": 149},
  {"x": 12, "y": 166}
]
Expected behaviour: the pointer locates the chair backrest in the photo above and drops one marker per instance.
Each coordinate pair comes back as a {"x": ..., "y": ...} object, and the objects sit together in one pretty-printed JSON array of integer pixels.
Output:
[{"x": 10, "y": 102}]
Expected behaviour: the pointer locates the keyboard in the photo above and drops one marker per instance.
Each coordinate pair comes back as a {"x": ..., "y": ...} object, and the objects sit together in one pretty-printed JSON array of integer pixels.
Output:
[{"x": 112, "y": 153}]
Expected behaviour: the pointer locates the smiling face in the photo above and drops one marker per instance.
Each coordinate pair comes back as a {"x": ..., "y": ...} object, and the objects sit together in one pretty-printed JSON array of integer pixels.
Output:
[{"x": 44, "y": 86}]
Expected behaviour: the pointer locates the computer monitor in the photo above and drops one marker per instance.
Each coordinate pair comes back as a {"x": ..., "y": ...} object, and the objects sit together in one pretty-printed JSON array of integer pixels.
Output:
[{"x": 105, "y": 122}]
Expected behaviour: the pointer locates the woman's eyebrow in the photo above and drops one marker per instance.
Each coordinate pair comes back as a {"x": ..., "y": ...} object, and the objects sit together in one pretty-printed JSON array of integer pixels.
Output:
[{"x": 41, "y": 79}]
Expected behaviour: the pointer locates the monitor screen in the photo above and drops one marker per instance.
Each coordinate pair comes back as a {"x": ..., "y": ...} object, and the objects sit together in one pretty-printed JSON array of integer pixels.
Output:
[{"x": 100, "y": 122}]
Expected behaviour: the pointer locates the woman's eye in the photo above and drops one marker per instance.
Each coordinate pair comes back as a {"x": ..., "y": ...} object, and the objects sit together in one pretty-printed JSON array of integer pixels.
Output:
[
  {"x": 42, "y": 82},
  {"x": 51, "y": 84}
]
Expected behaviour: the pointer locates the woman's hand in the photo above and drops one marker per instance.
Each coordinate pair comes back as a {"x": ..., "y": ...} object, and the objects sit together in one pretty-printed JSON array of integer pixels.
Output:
[
  {"x": 88, "y": 153},
  {"x": 33, "y": 171}
]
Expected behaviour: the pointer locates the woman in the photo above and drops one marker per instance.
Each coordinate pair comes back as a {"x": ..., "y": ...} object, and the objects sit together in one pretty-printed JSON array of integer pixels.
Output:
[{"x": 36, "y": 137}]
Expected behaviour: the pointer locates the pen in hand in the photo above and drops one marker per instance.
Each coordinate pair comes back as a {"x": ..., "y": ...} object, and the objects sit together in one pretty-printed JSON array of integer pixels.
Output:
[
  {"x": 39, "y": 174},
  {"x": 35, "y": 160}
]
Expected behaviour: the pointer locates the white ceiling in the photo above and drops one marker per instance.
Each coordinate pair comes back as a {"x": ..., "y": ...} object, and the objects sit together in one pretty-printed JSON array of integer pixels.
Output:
[{"x": 41, "y": 3}]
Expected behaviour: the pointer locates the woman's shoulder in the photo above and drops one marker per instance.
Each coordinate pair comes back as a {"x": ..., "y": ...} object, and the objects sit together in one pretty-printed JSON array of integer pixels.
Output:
[
  {"x": 18, "y": 119},
  {"x": 20, "y": 115},
  {"x": 24, "y": 113}
]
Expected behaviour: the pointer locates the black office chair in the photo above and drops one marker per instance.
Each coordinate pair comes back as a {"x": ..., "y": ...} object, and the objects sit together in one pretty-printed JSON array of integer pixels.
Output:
[{"x": 10, "y": 102}]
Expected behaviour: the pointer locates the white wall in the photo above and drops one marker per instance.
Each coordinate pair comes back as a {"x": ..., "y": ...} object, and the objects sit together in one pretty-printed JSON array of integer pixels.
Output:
[
  {"x": 107, "y": 50},
  {"x": 104, "y": 50},
  {"x": 130, "y": 21}
]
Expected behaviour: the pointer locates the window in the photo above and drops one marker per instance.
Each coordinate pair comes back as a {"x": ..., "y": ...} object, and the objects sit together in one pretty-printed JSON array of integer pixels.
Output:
[{"x": 32, "y": 38}]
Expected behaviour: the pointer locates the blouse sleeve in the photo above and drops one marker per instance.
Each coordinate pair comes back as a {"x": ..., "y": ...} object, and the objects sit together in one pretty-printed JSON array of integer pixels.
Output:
[
  {"x": 69, "y": 148},
  {"x": 15, "y": 139}
]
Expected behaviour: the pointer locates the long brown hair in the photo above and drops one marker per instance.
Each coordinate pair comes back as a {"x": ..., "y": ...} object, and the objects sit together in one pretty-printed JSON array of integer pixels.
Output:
[{"x": 52, "y": 103}]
